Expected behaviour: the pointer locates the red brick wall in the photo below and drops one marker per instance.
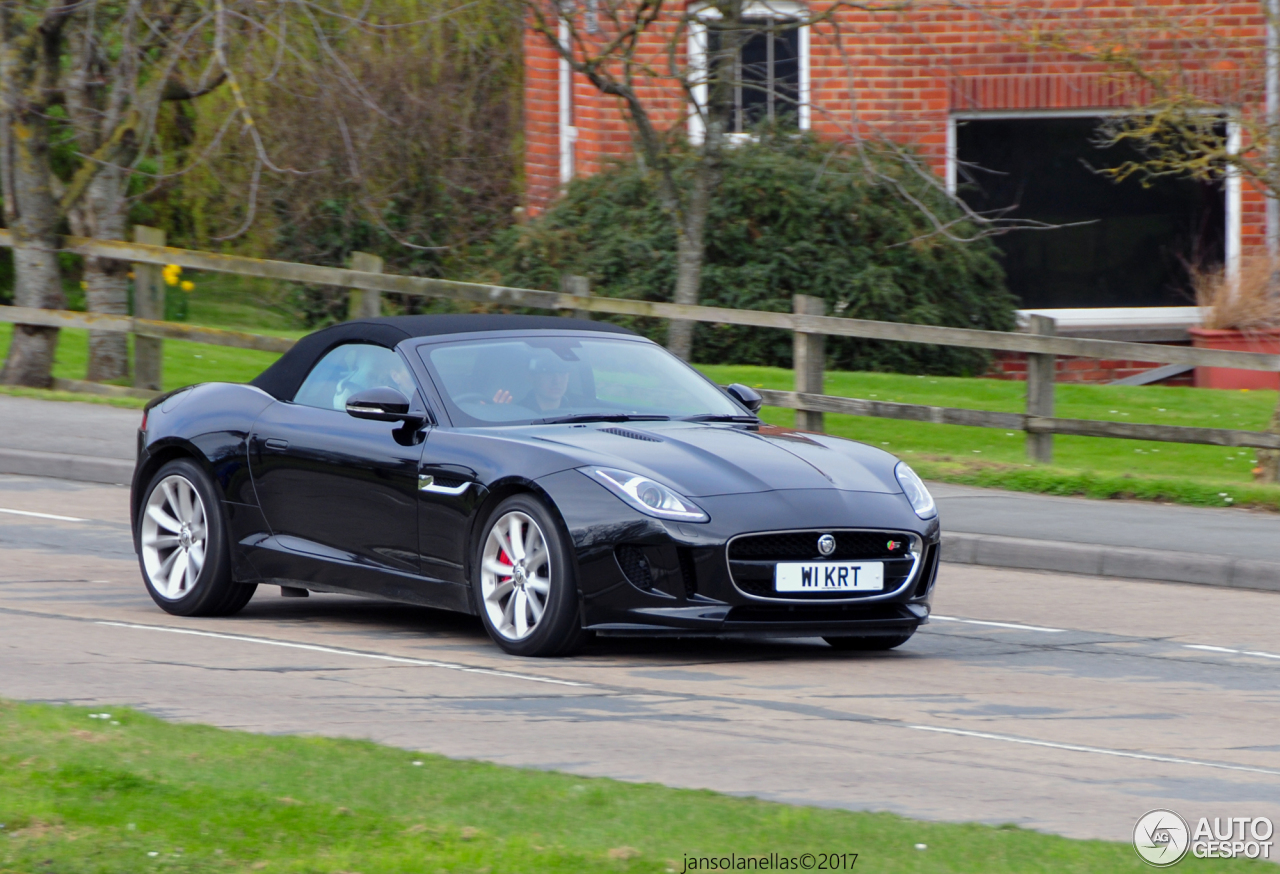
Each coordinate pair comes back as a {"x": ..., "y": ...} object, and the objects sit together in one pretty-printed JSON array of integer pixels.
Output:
[
  {"x": 902, "y": 74},
  {"x": 1013, "y": 366}
]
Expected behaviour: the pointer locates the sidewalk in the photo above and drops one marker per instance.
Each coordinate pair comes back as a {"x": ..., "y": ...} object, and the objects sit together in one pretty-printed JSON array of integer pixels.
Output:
[
  {"x": 1221, "y": 547},
  {"x": 87, "y": 442},
  {"x": 1134, "y": 539}
]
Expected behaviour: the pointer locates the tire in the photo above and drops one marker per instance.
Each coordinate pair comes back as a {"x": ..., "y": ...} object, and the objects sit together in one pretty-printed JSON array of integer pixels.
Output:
[
  {"x": 867, "y": 644},
  {"x": 529, "y": 607},
  {"x": 183, "y": 546}
]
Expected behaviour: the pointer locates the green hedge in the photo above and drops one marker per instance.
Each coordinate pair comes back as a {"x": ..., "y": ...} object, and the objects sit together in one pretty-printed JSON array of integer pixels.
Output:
[{"x": 793, "y": 215}]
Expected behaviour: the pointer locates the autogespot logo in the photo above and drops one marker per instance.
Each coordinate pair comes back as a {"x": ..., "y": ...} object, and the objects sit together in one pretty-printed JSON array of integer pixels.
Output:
[{"x": 1161, "y": 838}]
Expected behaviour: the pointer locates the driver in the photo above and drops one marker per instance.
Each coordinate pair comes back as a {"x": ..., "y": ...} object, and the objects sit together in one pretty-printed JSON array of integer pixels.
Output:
[
  {"x": 550, "y": 381},
  {"x": 550, "y": 375}
]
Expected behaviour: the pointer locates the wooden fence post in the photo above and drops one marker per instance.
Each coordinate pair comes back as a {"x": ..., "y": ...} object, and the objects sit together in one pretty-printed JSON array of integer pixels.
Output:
[
  {"x": 366, "y": 303},
  {"x": 1041, "y": 372},
  {"x": 578, "y": 286},
  {"x": 148, "y": 303},
  {"x": 809, "y": 359}
]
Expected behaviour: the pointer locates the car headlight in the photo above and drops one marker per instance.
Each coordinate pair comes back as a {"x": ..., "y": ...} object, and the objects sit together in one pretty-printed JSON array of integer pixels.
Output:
[
  {"x": 913, "y": 487},
  {"x": 646, "y": 495}
]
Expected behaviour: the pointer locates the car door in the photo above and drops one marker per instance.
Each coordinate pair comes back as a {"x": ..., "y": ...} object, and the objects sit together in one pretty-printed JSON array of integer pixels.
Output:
[{"x": 340, "y": 494}]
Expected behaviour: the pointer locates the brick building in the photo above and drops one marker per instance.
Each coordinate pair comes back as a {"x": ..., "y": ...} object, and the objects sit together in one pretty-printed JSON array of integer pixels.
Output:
[{"x": 1003, "y": 120}]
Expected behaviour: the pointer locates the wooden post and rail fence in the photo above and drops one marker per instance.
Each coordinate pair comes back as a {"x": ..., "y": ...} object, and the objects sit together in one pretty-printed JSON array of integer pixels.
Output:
[{"x": 807, "y": 321}]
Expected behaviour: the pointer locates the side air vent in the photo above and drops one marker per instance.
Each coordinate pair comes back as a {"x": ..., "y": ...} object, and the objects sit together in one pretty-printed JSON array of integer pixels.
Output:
[
  {"x": 635, "y": 565},
  {"x": 449, "y": 482},
  {"x": 688, "y": 571},
  {"x": 632, "y": 435}
]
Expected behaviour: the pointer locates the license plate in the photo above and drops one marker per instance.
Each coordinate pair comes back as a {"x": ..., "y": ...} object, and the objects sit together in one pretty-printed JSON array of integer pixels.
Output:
[{"x": 830, "y": 576}]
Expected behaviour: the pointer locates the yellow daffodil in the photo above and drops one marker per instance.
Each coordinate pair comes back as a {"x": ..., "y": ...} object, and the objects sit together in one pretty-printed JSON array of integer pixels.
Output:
[{"x": 188, "y": 285}]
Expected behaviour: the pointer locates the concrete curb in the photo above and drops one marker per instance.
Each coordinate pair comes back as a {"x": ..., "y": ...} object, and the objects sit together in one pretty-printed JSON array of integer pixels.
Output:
[
  {"x": 1110, "y": 561},
  {"x": 83, "y": 468}
]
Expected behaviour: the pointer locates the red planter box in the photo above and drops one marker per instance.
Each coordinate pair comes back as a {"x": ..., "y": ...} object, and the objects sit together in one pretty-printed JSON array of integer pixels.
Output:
[{"x": 1236, "y": 341}]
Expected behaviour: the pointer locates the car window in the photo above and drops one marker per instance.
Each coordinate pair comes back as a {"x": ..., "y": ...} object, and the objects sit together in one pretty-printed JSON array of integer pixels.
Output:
[
  {"x": 519, "y": 380},
  {"x": 352, "y": 368}
]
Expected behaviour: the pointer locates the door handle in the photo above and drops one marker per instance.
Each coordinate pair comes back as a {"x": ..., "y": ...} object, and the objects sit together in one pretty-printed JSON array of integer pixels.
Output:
[{"x": 277, "y": 444}]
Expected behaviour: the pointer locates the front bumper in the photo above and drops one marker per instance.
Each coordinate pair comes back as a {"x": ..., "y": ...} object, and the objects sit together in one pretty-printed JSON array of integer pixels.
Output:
[{"x": 690, "y": 589}]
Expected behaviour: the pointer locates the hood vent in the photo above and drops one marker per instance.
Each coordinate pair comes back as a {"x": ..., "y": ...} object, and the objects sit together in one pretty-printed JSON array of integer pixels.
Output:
[{"x": 633, "y": 435}]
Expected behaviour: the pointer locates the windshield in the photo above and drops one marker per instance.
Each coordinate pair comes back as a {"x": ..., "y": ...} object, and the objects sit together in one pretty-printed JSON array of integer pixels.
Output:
[{"x": 542, "y": 379}]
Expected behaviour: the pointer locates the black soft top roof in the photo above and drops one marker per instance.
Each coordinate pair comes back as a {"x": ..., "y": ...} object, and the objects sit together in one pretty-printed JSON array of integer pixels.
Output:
[{"x": 282, "y": 379}]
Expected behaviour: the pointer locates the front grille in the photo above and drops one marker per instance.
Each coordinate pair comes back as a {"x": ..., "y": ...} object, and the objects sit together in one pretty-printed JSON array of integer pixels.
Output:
[
  {"x": 753, "y": 558},
  {"x": 803, "y": 546}
]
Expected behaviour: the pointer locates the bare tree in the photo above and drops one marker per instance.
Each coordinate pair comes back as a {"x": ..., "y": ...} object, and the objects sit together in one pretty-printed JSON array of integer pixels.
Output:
[
  {"x": 110, "y": 65},
  {"x": 32, "y": 42}
]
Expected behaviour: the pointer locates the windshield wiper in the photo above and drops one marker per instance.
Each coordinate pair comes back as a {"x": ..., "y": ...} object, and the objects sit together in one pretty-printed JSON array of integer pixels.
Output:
[
  {"x": 711, "y": 417},
  {"x": 606, "y": 417}
]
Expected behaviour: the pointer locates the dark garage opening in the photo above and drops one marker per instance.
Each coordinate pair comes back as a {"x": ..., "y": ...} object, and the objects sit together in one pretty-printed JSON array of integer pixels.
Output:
[{"x": 1142, "y": 239}]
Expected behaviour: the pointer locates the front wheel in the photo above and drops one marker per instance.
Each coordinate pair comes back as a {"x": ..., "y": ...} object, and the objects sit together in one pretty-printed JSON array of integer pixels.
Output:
[
  {"x": 183, "y": 546},
  {"x": 524, "y": 581},
  {"x": 867, "y": 644}
]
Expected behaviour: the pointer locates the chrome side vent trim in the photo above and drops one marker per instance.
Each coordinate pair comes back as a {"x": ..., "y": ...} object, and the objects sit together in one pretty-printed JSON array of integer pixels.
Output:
[{"x": 443, "y": 486}]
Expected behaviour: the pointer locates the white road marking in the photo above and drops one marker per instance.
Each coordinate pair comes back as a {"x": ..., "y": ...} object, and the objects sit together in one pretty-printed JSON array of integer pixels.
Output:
[
  {"x": 348, "y": 652},
  {"x": 1103, "y": 751},
  {"x": 42, "y": 515},
  {"x": 997, "y": 624},
  {"x": 1256, "y": 653}
]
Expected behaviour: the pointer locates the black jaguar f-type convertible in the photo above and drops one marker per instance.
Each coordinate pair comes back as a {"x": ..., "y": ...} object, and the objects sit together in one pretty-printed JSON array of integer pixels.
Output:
[{"x": 557, "y": 477}]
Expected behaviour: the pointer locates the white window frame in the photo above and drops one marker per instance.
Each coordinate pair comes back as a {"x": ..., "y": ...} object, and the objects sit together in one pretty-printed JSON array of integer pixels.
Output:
[
  {"x": 568, "y": 132},
  {"x": 1232, "y": 188},
  {"x": 774, "y": 9}
]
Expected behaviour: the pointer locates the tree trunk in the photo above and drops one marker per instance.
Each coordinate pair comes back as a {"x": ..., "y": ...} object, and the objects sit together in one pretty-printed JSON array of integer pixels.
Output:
[
  {"x": 38, "y": 281},
  {"x": 105, "y": 278},
  {"x": 691, "y": 250},
  {"x": 689, "y": 257}
]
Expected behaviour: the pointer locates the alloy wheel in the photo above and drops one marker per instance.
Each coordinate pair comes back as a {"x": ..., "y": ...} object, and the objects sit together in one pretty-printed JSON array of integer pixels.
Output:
[
  {"x": 174, "y": 537},
  {"x": 515, "y": 575}
]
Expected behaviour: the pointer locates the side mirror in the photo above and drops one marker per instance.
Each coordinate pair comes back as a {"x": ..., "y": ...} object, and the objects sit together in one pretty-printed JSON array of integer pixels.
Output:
[
  {"x": 382, "y": 404},
  {"x": 745, "y": 395}
]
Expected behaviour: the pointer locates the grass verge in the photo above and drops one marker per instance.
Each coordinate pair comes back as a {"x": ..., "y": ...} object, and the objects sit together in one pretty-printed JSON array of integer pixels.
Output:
[
  {"x": 1087, "y": 466},
  {"x": 131, "y": 793}
]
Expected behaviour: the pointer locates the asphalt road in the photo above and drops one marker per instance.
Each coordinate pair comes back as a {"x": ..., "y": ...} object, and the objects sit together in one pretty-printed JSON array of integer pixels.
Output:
[{"x": 1069, "y": 704}]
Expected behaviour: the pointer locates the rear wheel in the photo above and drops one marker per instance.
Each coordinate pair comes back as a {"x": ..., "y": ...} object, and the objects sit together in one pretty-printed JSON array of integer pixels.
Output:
[
  {"x": 183, "y": 547},
  {"x": 524, "y": 581},
  {"x": 868, "y": 644}
]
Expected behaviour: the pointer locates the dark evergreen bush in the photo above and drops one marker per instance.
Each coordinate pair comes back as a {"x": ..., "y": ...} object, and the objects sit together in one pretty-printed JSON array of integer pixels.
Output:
[{"x": 792, "y": 216}]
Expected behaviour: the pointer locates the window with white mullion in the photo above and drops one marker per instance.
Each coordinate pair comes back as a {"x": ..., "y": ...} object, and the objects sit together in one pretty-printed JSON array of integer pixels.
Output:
[{"x": 768, "y": 72}]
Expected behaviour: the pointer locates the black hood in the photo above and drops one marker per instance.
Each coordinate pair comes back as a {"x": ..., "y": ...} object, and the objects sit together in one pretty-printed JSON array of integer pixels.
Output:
[{"x": 700, "y": 460}]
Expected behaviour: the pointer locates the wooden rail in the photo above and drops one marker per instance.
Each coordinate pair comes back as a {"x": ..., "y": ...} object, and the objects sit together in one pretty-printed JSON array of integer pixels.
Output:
[
  {"x": 831, "y": 326},
  {"x": 808, "y": 326},
  {"x": 1020, "y": 421}
]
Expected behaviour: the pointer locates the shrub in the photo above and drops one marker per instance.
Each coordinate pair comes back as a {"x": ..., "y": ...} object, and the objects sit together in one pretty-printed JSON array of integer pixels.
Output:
[{"x": 792, "y": 215}]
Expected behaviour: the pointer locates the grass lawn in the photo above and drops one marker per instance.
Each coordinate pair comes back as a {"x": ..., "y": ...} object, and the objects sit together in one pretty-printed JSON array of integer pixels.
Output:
[
  {"x": 132, "y": 793},
  {"x": 1204, "y": 475}
]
